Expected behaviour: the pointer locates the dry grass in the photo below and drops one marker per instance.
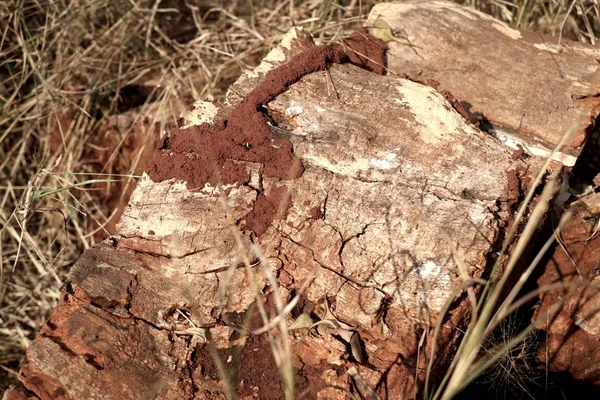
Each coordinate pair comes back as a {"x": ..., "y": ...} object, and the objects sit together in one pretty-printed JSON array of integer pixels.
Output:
[
  {"x": 69, "y": 67},
  {"x": 576, "y": 20},
  {"x": 514, "y": 373}
]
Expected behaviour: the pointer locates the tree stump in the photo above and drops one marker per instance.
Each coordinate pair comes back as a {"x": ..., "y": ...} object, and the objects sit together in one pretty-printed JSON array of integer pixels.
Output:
[{"x": 388, "y": 191}]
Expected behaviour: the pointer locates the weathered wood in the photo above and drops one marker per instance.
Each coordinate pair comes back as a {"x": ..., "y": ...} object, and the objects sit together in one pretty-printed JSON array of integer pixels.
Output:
[
  {"x": 528, "y": 86},
  {"x": 398, "y": 189},
  {"x": 572, "y": 331}
]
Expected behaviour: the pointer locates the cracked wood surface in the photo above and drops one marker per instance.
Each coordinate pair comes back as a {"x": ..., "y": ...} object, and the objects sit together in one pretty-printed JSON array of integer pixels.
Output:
[
  {"x": 530, "y": 88},
  {"x": 397, "y": 187},
  {"x": 572, "y": 334}
]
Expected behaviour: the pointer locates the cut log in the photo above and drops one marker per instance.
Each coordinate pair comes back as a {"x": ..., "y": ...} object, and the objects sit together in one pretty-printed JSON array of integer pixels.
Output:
[
  {"x": 397, "y": 190},
  {"x": 531, "y": 89}
]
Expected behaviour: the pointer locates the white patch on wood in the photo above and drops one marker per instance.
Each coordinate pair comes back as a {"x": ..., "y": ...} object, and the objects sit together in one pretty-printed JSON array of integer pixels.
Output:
[
  {"x": 381, "y": 164},
  {"x": 428, "y": 199},
  {"x": 141, "y": 226},
  {"x": 201, "y": 112},
  {"x": 294, "y": 109},
  {"x": 429, "y": 269},
  {"x": 429, "y": 289},
  {"x": 576, "y": 82},
  {"x": 533, "y": 149},
  {"x": 588, "y": 51},
  {"x": 288, "y": 38},
  {"x": 429, "y": 110},
  {"x": 508, "y": 31},
  {"x": 277, "y": 55},
  {"x": 346, "y": 168},
  {"x": 136, "y": 222},
  {"x": 385, "y": 163},
  {"x": 552, "y": 48}
]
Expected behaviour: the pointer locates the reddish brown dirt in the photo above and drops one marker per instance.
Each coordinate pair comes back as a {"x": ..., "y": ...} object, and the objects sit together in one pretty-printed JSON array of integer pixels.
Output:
[
  {"x": 252, "y": 365},
  {"x": 366, "y": 51},
  {"x": 212, "y": 154},
  {"x": 316, "y": 212},
  {"x": 252, "y": 368},
  {"x": 266, "y": 208},
  {"x": 206, "y": 154}
]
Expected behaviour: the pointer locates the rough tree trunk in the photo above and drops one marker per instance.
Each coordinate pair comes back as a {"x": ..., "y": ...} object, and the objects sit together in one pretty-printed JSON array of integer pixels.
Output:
[{"x": 397, "y": 190}]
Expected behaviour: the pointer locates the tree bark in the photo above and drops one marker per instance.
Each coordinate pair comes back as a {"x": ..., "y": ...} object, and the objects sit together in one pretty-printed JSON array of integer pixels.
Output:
[
  {"x": 531, "y": 89},
  {"x": 572, "y": 330}
]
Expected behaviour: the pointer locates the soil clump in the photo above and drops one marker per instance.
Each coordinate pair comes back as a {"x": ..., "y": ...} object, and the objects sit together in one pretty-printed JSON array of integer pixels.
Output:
[{"x": 213, "y": 154}]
